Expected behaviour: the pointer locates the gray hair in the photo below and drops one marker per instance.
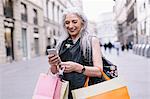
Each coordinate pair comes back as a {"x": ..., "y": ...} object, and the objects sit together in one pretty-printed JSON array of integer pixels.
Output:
[{"x": 85, "y": 43}]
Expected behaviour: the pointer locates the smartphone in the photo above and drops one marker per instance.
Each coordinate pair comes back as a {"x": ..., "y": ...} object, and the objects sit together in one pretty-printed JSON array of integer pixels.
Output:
[{"x": 52, "y": 51}]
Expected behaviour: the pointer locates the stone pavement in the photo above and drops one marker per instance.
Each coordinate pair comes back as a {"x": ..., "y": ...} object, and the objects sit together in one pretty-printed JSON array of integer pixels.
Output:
[
  {"x": 135, "y": 70},
  {"x": 18, "y": 79}
]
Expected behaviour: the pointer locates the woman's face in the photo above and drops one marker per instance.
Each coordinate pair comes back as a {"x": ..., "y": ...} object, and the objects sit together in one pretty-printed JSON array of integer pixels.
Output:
[{"x": 73, "y": 24}]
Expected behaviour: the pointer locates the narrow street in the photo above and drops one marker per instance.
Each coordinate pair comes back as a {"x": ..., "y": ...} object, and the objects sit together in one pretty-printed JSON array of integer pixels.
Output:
[
  {"x": 133, "y": 69},
  {"x": 29, "y": 27},
  {"x": 19, "y": 78}
]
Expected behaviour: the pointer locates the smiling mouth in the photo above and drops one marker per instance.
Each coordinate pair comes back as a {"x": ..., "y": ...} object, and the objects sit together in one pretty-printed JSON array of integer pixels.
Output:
[{"x": 71, "y": 30}]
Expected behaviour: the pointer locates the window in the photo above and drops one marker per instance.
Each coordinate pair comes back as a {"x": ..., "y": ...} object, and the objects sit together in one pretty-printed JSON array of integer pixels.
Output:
[
  {"x": 144, "y": 5},
  {"x": 35, "y": 18},
  {"x": 36, "y": 30},
  {"x": 24, "y": 42},
  {"x": 53, "y": 13},
  {"x": 54, "y": 33},
  {"x": 130, "y": 16},
  {"x": 58, "y": 13},
  {"x": 23, "y": 12},
  {"x": 36, "y": 46},
  {"x": 145, "y": 27},
  {"x": 8, "y": 8},
  {"x": 62, "y": 11},
  {"x": 127, "y": 2}
]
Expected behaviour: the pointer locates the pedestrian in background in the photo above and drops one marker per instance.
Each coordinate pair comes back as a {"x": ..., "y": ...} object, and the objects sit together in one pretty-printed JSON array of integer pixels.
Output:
[
  {"x": 123, "y": 47},
  {"x": 79, "y": 51},
  {"x": 127, "y": 47},
  {"x": 105, "y": 46},
  {"x": 130, "y": 44},
  {"x": 117, "y": 47},
  {"x": 110, "y": 46}
]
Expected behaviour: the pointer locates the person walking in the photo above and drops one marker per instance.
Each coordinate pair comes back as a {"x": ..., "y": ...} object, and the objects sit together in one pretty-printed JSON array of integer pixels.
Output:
[
  {"x": 105, "y": 46},
  {"x": 117, "y": 47},
  {"x": 79, "y": 51},
  {"x": 110, "y": 46}
]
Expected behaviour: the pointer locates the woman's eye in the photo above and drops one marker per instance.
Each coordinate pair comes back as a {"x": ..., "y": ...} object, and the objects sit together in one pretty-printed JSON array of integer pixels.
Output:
[
  {"x": 67, "y": 22},
  {"x": 74, "y": 21}
]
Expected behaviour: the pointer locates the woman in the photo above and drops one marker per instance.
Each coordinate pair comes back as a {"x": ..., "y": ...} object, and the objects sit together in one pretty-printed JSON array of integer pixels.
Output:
[{"x": 79, "y": 52}]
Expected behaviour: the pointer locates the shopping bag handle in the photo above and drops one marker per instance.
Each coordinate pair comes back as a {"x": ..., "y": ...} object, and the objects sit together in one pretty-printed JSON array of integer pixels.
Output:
[
  {"x": 103, "y": 74},
  {"x": 60, "y": 72}
]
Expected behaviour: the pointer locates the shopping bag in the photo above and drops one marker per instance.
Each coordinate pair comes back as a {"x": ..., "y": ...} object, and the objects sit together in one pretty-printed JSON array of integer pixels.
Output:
[
  {"x": 109, "y": 68},
  {"x": 110, "y": 89},
  {"x": 64, "y": 90},
  {"x": 57, "y": 92},
  {"x": 47, "y": 87}
]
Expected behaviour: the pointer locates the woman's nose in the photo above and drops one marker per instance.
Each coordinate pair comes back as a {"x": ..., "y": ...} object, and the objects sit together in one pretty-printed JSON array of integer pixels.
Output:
[{"x": 70, "y": 26}]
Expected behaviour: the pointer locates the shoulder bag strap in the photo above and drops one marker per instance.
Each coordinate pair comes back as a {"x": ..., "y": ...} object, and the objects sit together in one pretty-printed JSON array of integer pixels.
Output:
[{"x": 103, "y": 74}]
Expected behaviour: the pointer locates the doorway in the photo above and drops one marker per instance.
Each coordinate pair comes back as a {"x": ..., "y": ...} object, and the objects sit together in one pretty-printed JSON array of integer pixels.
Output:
[
  {"x": 24, "y": 42},
  {"x": 9, "y": 43},
  {"x": 36, "y": 45}
]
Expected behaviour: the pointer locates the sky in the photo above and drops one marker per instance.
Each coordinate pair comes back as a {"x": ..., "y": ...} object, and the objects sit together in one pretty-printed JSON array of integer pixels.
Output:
[{"x": 93, "y": 8}]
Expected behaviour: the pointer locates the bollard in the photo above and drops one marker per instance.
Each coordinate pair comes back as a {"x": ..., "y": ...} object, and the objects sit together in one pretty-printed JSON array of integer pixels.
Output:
[{"x": 147, "y": 51}]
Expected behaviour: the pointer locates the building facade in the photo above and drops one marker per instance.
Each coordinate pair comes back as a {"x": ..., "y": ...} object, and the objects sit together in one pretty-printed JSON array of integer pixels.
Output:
[
  {"x": 27, "y": 27},
  {"x": 131, "y": 21},
  {"x": 21, "y": 26},
  {"x": 120, "y": 18},
  {"x": 143, "y": 20},
  {"x": 136, "y": 24},
  {"x": 53, "y": 10},
  {"x": 106, "y": 28},
  {"x": 126, "y": 18}
]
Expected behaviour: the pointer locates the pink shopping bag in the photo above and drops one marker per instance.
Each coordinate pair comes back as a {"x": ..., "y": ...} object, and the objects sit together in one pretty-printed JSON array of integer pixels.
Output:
[{"x": 47, "y": 87}]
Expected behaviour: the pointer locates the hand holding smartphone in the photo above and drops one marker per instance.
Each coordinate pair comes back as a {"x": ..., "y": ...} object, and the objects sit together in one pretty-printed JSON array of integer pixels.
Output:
[
  {"x": 55, "y": 53},
  {"x": 56, "y": 60}
]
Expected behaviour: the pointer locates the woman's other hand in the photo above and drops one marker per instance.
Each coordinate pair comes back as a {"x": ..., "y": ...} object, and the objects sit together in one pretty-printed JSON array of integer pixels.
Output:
[{"x": 71, "y": 66}]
